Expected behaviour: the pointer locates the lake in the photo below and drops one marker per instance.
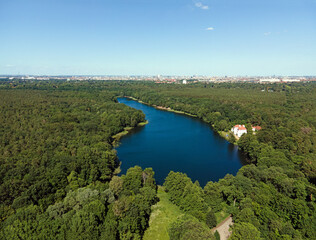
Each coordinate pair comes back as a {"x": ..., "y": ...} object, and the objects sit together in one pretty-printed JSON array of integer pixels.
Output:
[{"x": 179, "y": 143}]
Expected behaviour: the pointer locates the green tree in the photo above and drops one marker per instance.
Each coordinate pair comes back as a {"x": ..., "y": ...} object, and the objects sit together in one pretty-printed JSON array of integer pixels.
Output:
[
  {"x": 210, "y": 219},
  {"x": 186, "y": 227},
  {"x": 116, "y": 185},
  {"x": 245, "y": 231},
  {"x": 133, "y": 180},
  {"x": 175, "y": 184},
  {"x": 217, "y": 236}
]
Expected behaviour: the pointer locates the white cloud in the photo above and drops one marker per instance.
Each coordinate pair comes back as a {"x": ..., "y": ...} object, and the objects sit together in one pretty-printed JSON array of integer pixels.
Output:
[
  {"x": 9, "y": 65},
  {"x": 267, "y": 33},
  {"x": 201, "y": 6},
  {"x": 209, "y": 29}
]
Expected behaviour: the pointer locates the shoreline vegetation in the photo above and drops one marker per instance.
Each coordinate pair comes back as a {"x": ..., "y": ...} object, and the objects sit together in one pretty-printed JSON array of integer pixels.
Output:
[
  {"x": 161, "y": 107},
  {"x": 116, "y": 138}
]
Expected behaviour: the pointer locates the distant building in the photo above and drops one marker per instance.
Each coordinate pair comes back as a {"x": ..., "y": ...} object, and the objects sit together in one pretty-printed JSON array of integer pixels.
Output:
[
  {"x": 239, "y": 130},
  {"x": 184, "y": 81},
  {"x": 269, "y": 80},
  {"x": 291, "y": 80}
]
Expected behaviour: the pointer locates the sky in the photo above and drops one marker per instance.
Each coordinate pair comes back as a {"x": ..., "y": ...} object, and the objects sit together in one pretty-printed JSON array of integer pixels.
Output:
[{"x": 151, "y": 37}]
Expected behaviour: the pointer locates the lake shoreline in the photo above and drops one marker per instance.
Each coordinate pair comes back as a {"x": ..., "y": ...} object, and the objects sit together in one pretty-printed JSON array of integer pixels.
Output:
[
  {"x": 116, "y": 141},
  {"x": 161, "y": 107},
  {"x": 164, "y": 144},
  {"x": 220, "y": 133},
  {"x": 116, "y": 138}
]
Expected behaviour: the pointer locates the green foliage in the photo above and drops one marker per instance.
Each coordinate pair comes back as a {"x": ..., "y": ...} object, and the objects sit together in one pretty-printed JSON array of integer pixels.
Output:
[
  {"x": 217, "y": 236},
  {"x": 187, "y": 195},
  {"x": 245, "y": 231},
  {"x": 148, "y": 178},
  {"x": 163, "y": 214},
  {"x": 116, "y": 185},
  {"x": 85, "y": 213},
  {"x": 187, "y": 227},
  {"x": 23, "y": 224},
  {"x": 175, "y": 183},
  {"x": 210, "y": 219},
  {"x": 58, "y": 164},
  {"x": 231, "y": 138},
  {"x": 56, "y": 140},
  {"x": 213, "y": 196}
]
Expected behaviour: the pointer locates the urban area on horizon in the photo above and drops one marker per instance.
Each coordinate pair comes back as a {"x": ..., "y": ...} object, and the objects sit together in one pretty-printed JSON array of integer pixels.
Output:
[{"x": 165, "y": 79}]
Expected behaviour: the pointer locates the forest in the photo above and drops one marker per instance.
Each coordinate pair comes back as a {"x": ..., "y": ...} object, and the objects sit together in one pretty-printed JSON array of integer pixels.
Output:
[{"x": 59, "y": 170}]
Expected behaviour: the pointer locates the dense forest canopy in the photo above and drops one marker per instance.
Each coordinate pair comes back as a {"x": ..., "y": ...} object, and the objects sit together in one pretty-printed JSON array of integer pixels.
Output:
[{"x": 59, "y": 169}]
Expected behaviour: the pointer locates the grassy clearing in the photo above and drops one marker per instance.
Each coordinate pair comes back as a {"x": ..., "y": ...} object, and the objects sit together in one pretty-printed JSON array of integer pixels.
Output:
[
  {"x": 220, "y": 216},
  {"x": 142, "y": 124},
  {"x": 224, "y": 134},
  {"x": 126, "y": 130},
  {"x": 163, "y": 213},
  {"x": 120, "y": 134},
  {"x": 180, "y": 112}
]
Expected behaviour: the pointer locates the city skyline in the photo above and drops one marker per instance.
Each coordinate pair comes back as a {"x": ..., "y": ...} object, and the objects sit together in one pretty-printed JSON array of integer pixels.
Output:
[{"x": 211, "y": 38}]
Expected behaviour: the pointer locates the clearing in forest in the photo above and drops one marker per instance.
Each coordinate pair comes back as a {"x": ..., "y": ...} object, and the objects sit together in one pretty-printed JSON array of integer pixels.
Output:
[{"x": 163, "y": 213}]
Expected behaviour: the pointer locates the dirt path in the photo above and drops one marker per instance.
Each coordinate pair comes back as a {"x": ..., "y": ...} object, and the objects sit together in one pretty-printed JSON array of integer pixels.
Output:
[{"x": 223, "y": 228}]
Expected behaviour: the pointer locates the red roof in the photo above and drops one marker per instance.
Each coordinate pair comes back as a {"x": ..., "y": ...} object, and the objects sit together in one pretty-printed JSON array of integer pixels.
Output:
[
  {"x": 240, "y": 127},
  {"x": 256, "y": 128}
]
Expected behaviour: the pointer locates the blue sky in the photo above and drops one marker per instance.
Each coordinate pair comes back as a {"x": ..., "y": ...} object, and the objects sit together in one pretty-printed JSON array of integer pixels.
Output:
[{"x": 150, "y": 37}]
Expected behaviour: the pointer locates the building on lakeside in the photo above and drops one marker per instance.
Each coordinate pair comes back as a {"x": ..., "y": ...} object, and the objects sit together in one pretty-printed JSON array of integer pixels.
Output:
[{"x": 239, "y": 130}]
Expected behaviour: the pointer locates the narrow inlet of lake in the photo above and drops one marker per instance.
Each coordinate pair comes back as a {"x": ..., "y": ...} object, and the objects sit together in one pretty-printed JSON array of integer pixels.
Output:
[{"x": 179, "y": 143}]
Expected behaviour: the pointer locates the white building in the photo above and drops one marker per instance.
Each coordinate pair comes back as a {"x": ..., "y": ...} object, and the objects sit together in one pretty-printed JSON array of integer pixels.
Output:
[
  {"x": 290, "y": 80},
  {"x": 269, "y": 80},
  {"x": 239, "y": 130},
  {"x": 184, "y": 81}
]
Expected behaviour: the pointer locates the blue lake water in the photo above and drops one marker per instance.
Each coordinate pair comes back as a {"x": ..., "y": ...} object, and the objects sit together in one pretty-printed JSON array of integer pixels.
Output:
[{"x": 180, "y": 143}]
